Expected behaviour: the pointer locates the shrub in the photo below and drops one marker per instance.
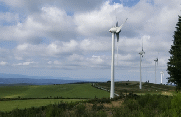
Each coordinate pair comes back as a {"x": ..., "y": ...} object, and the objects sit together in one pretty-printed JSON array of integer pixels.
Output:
[
  {"x": 95, "y": 107},
  {"x": 132, "y": 104},
  {"x": 80, "y": 110},
  {"x": 54, "y": 111},
  {"x": 176, "y": 105},
  {"x": 101, "y": 113}
]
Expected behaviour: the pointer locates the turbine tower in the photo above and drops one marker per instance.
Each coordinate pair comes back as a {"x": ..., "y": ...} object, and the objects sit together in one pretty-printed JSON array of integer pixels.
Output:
[
  {"x": 114, "y": 30},
  {"x": 162, "y": 75},
  {"x": 141, "y": 54},
  {"x": 156, "y": 60}
]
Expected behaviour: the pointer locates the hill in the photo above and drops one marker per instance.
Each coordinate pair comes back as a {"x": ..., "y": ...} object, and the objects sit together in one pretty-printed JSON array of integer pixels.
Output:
[
  {"x": 133, "y": 87},
  {"x": 32, "y": 81}
]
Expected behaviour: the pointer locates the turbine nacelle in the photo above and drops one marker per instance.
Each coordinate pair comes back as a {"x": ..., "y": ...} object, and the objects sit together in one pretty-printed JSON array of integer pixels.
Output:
[
  {"x": 142, "y": 52},
  {"x": 156, "y": 60},
  {"x": 116, "y": 29}
]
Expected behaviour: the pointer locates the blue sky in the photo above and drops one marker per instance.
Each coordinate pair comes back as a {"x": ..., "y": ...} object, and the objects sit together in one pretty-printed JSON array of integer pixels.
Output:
[{"x": 71, "y": 38}]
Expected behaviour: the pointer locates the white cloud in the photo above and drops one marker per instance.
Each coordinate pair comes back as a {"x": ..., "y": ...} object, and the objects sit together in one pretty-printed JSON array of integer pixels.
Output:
[
  {"x": 22, "y": 47},
  {"x": 50, "y": 22},
  {"x": 75, "y": 58},
  {"x": 70, "y": 6},
  {"x": 3, "y": 63},
  {"x": 97, "y": 21},
  {"x": 24, "y": 63},
  {"x": 57, "y": 62},
  {"x": 49, "y": 62},
  {"x": 49, "y": 35},
  {"x": 17, "y": 3},
  {"x": 95, "y": 45},
  {"x": 9, "y": 17}
]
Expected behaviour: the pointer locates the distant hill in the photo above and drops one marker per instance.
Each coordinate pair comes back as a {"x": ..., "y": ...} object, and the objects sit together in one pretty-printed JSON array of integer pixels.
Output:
[
  {"x": 12, "y": 79},
  {"x": 31, "y": 81},
  {"x": 2, "y": 75}
]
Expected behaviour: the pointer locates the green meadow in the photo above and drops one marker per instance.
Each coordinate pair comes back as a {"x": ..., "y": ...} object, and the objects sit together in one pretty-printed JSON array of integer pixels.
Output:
[
  {"x": 13, "y": 97},
  {"x": 21, "y": 104},
  {"x": 52, "y": 91},
  {"x": 133, "y": 87}
]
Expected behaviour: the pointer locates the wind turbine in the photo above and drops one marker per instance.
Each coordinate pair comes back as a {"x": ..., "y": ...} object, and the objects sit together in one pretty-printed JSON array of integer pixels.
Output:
[
  {"x": 156, "y": 60},
  {"x": 141, "y": 54},
  {"x": 162, "y": 75},
  {"x": 114, "y": 30}
]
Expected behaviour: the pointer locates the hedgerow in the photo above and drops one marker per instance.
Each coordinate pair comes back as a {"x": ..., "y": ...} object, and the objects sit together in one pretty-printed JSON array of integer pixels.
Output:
[{"x": 133, "y": 106}]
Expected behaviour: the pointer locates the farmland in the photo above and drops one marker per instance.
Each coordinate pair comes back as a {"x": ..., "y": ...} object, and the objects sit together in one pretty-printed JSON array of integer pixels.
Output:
[
  {"x": 21, "y": 104},
  {"x": 52, "y": 91},
  {"x": 133, "y": 87},
  {"x": 40, "y": 95},
  {"x": 84, "y": 99}
]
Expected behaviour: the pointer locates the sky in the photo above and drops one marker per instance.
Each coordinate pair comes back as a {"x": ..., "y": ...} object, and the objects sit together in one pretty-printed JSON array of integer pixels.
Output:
[{"x": 71, "y": 38}]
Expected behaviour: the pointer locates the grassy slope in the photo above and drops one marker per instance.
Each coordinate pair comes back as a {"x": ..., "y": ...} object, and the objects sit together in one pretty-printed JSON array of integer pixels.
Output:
[
  {"x": 21, "y": 104},
  {"x": 133, "y": 86},
  {"x": 68, "y": 90},
  {"x": 43, "y": 91}
]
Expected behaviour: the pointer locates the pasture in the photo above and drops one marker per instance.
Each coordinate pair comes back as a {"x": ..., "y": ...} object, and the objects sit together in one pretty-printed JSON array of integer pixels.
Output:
[
  {"x": 52, "y": 91},
  {"x": 21, "y": 104},
  {"x": 50, "y": 94},
  {"x": 133, "y": 87}
]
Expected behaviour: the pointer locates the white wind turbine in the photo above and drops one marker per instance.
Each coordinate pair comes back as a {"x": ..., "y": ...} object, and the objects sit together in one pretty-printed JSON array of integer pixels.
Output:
[
  {"x": 156, "y": 60},
  {"x": 141, "y": 54},
  {"x": 162, "y": 75},
  {"x": 114, "y": 30}
]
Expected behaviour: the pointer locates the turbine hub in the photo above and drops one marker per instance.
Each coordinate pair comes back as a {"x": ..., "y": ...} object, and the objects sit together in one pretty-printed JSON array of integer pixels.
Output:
[
  {"x": 142, "y": 52},
  {"x": 113, "y": 30}
]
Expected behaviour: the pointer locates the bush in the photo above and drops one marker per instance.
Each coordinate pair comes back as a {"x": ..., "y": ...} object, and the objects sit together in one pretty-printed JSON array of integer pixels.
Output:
[
  {"x": 80, "y": 110},
  {"x": 147, "y": 105},
  {"x": 132, "y": 104},
  {"x": 101, "y": 113},
  {"x": 102, "y": 100},
  {"x": 54, "y": 111},
  {"x": 97, "y": 108},
  {"x": 176, "y": 105}
]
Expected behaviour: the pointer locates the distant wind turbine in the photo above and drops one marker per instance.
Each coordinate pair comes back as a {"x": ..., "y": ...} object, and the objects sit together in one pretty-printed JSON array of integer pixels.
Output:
[
  {"x": 156, "y": 60},
  {"x": 162, "y": 75},
  {"x": 114, "y": 30},
  {"x": 141, "y": 54}
]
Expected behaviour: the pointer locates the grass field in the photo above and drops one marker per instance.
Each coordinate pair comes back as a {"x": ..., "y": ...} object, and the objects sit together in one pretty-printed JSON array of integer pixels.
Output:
[
  {"x": 51, "y": 91},
  {"x": 21, "y": 104},
  {"x": 44, "y": 91},
  {"x": 133, "y": 86},
  {"x": 71, "y": 91}
]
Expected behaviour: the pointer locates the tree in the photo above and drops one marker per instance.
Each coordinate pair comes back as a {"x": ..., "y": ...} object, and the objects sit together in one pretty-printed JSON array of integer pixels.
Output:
[{"x": 174, "y": 64}]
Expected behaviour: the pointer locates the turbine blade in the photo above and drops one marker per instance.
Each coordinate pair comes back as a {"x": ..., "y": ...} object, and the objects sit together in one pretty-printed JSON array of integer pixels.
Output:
[
  {"x": 117, "y": 35},
  {"x": 117, "y": 24},
  {"x": 119, "y": 29},
  {"x": 142, "y": 44}
]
